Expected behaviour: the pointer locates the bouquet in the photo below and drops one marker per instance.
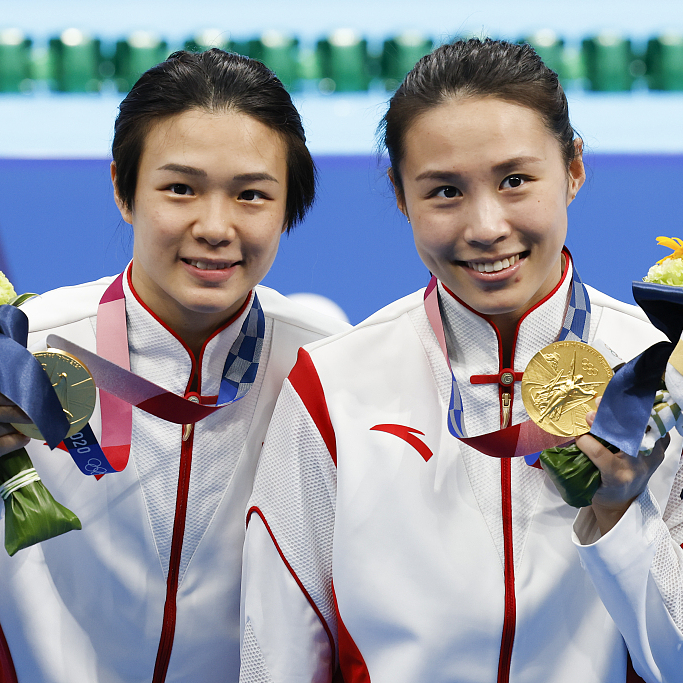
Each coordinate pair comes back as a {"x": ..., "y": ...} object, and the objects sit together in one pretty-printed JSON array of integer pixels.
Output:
[
  {"x": 573, "y": 473},
  {"x": 32, "y": 515}
]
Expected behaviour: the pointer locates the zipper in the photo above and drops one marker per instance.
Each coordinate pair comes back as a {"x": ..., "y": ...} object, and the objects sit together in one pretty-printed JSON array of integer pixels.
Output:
[
  {"x": 169, "y": 620},
  {"x": 506, "y": 406},
  {"x": 510, "y": 614}
]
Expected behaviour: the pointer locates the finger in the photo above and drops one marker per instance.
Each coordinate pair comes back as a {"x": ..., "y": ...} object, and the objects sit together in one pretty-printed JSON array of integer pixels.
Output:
[
  {"x": 12, "y": 442},
  {"x": 12, "y": 413},
  {"x": 595, "y": 451},
  {"x": 6, "y": 428},
  {"x": 590, "y": 415},
  {"x": 656, "y": 458}
]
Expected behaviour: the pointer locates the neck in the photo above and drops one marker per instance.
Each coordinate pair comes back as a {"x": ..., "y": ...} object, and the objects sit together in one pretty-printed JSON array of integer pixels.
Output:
[
  {"x": 507, "y": 322},
  {"x": 193, "y": 328},
  {"x": 507, "y": 328}
]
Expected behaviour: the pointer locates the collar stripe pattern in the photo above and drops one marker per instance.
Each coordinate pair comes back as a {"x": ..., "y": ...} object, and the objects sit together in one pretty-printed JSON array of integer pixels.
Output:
[{"x": 526, "y": 438}]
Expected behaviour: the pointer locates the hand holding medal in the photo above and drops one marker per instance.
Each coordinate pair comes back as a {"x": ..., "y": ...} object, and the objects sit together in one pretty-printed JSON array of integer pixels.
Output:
[
  {"x": 558, "y": 402},
  {"x": 31, "y": 513},
  {"x": 561, "y": 385}
]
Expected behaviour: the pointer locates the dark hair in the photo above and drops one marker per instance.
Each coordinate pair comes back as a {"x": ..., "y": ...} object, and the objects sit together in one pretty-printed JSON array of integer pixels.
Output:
[
  {"x": 471, "y": 68},
  {"x": 213, "y": 81}
]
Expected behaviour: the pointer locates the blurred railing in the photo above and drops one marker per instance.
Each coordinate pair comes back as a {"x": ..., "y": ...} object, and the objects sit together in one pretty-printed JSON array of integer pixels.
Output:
[{"x": 341, "y": 62}]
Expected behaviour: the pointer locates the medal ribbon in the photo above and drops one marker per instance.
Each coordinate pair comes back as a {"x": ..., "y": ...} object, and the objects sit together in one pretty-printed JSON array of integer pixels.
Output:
[
  {"x": 526, "y": 438},
  {"x": 23, "y": 380},
  {"x": 121, "y": 389}
]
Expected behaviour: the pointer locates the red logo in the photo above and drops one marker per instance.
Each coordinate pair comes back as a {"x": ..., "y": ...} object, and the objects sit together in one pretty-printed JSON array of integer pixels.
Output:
[{"x": 408, "y": 435}]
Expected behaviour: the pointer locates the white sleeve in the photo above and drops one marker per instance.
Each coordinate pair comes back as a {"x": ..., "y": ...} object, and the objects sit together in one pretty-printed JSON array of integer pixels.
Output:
[
  {"x": 637, "y": 569},
  {"x": 288, "y": 615}
]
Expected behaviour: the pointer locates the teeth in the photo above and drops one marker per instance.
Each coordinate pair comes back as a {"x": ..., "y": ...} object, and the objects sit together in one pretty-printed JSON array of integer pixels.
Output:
[
  {"x": 203, "y": 265},
  {"x": 494, "y": 267}
]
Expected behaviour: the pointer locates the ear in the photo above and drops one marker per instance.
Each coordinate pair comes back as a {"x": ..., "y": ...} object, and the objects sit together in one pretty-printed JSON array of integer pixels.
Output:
[
  {"x": 400, "y": 198},
  {"x": 126, "y": 213},
  {"x": 577, "y": 172}
]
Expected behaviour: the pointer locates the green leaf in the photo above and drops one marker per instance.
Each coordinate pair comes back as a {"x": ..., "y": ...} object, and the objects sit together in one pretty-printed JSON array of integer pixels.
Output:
[
  {"x": 22, "y": 298},
  {"x": 32, "y": 515}
]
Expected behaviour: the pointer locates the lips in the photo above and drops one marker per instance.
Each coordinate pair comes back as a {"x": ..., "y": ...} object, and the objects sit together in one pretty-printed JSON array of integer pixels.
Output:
[{"x": 495, "y": 266}]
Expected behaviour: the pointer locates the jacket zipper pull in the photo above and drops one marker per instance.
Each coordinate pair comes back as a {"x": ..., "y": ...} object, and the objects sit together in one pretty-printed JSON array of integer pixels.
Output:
[
  {"x": 187, "y": 429},
  {"x": 506, "y": 409}
]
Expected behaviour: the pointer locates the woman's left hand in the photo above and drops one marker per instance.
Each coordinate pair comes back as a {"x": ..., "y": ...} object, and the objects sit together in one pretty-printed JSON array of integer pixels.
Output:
[{"x": 624, "y": 477}]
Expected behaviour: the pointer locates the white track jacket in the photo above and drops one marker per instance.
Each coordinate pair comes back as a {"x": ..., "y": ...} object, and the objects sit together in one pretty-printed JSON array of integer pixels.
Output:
[
  {"x": 380, "y": 544},
  {"x": 88, "y": 606}
]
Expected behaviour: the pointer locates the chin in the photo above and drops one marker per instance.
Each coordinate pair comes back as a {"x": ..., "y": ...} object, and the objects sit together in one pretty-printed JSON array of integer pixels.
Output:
[{"x": 499, "y": 308}]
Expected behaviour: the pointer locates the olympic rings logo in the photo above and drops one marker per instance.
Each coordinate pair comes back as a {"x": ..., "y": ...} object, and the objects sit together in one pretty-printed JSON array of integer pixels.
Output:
[{"x": 94, "y": 466}]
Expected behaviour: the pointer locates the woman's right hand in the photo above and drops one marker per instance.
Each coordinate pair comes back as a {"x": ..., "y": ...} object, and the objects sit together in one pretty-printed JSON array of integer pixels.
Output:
[{"x": 10, "y": 438}]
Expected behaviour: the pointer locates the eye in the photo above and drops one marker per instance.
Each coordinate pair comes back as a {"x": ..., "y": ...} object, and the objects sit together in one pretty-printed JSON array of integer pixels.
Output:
[
  {"x": 251, "y": 195},
  {"x": 512, "y": 182},
  {"x": 447, "y": 192},
  {"x": 180, "y": 188}
]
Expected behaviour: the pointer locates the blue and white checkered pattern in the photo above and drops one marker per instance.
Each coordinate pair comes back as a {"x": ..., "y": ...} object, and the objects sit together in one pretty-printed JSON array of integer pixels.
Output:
[
  {"x": 577, "y": 321},
  {"x": 455, "y": 425},
  {"x": 241, "y": 365},
  {"x": 576, "y": 326}
]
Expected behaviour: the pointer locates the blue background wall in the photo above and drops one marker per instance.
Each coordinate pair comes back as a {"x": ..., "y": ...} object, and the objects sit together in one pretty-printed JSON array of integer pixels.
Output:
[{"x": 59, "y": 225}]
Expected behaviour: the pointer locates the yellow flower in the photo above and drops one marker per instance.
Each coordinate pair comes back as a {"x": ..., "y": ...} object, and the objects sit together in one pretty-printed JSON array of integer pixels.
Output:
[
  {"x": 7, "y": 292},
  {"x": 674, "y": 243}
]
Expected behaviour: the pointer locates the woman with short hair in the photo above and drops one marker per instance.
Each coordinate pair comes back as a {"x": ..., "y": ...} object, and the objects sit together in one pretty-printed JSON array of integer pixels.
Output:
[{"x": 210, "y": 167}]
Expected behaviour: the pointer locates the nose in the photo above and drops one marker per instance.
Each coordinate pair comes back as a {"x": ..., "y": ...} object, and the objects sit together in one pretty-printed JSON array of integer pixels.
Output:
[
  {"x": 487, "y": 223},
  {"x": 214, "y": 223}
]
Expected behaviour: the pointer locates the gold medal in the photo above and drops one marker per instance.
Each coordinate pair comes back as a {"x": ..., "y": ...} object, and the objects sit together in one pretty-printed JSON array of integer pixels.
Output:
[
  {"x": 560, "y": 386},
  {"x": 74, "y": 387}
]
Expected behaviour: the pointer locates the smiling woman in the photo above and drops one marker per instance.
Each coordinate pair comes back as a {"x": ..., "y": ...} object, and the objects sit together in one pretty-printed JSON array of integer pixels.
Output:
[
  {"x": 210, "y": 206},
  {"x": 393, "y": 535},
  {"x": 210, "y": 168}
]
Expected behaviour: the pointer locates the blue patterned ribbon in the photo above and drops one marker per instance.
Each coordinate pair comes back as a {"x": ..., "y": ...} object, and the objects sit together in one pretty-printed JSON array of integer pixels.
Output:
[
  {"x": 23, "y": 380},
  {"x": 241, "y": 364}
]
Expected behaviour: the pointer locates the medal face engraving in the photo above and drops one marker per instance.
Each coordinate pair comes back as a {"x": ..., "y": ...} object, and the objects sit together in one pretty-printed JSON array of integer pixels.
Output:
[
  {"x": 74, "y": 387},
  {"x": 560, "y": 386}
]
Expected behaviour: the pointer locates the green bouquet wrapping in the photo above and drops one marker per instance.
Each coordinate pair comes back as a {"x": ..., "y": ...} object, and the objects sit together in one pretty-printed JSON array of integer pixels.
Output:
[
  {"x": 573, "y": 473},
  {"x": 32, "y": 515}
]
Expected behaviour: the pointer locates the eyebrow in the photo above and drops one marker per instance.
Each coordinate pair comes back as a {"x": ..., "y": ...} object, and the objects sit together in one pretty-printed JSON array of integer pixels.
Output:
[
  {"x": 253, "y": 177},
  {"x": 185, "y": 170},
  {"x": 508, "y": 164},
  {"x": 198, "y": 172},
  {"x": 516, "y": 161}
]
